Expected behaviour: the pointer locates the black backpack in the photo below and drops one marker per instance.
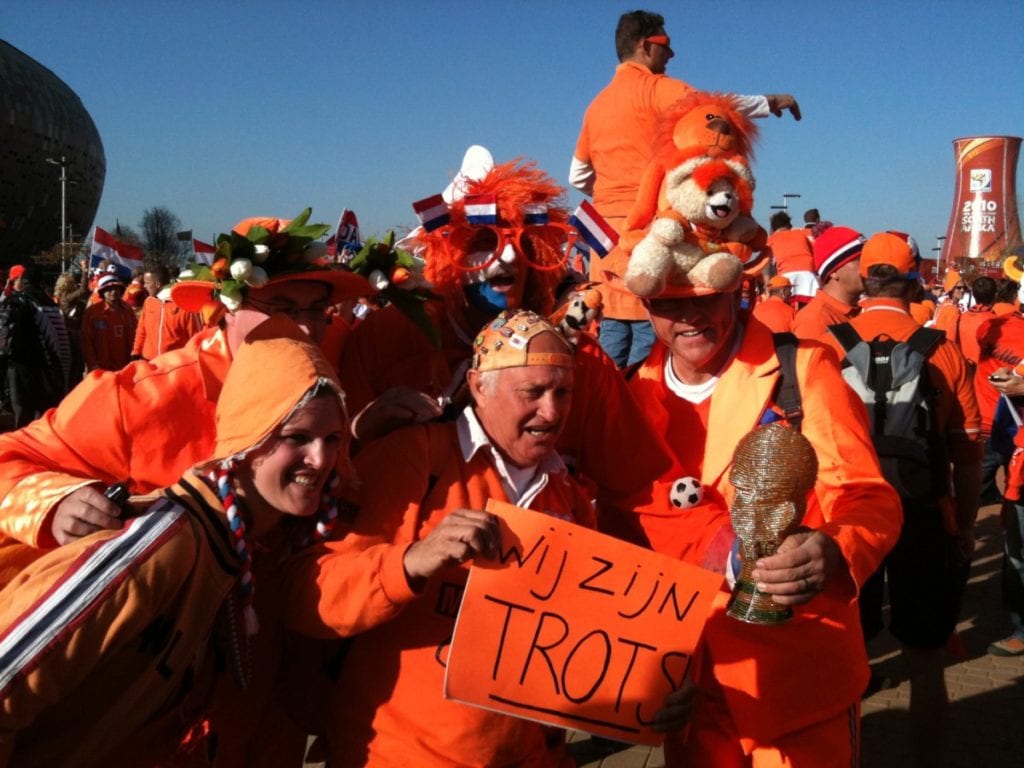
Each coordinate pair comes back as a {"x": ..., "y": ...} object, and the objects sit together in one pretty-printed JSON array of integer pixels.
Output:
[{"x": 891, "y": 379}]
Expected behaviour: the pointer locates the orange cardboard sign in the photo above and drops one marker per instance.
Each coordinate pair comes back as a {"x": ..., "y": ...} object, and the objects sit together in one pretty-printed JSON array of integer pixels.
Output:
[{"x": 575, "y": 628}]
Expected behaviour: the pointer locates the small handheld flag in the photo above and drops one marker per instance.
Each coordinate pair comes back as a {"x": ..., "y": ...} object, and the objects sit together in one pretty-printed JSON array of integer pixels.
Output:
[{"x": 597, "y": 232}]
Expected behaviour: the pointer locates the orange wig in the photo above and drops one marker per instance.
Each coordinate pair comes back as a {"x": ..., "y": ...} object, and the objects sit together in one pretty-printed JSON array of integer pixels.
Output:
[{"x": 516, "y": 185}]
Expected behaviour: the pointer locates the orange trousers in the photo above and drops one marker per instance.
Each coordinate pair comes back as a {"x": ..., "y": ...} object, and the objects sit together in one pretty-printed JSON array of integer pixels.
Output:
[{"x": 711, "y": 741}]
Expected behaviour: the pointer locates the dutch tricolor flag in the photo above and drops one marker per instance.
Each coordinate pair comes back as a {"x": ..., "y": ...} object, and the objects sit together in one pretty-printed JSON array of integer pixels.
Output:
[
  {"x": 535, "y": 215},
  {"x": 432, "y": 212},
  {"x": 595, "y": 230},
  {"x": 481, "y": 209}
]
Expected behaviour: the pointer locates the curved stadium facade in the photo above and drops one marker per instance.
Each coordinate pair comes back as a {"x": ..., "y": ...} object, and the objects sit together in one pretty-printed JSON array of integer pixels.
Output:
[{"x": 40, "y": 118}]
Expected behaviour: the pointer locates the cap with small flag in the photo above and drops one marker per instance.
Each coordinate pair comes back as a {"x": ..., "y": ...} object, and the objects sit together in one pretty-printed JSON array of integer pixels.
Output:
[{"x": 432, "y": 212}]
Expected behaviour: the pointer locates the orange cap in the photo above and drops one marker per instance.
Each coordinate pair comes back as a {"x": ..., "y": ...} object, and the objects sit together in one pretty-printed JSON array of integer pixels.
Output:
[
  {"x": 779, "y": 282},
  {"x": 886, "y": 248},
  {"x": 274, "y": 371},
  {"x": 950, "y": 281},
  {"x": 504, "y": 343}
]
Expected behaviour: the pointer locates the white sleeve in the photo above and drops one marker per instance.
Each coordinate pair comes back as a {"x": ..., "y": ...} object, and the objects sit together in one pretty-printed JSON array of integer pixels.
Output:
[
  {"x": 581, "y": 176},
  {"x": 752, "y": 106}
]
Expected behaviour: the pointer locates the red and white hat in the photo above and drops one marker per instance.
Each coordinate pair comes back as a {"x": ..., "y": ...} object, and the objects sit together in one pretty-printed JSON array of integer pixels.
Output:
[
  {"x": 109, "y": 281},
  {"x": 835, "y": 247}
]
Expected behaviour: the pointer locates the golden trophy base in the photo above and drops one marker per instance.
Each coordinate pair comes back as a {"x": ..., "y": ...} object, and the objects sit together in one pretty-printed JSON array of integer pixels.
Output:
[{"x": 753, "y": 607}]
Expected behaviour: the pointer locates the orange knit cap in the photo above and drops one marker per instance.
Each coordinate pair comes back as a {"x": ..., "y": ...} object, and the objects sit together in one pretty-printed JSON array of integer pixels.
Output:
[
  {"x": 274, "y": 371},
  {"x": 504, "y": 343}
]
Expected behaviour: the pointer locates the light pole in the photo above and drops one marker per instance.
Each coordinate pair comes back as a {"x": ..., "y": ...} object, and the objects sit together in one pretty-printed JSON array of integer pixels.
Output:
[
  {"x": 786, "y": 197},
  {"x": 63, "y": 163},
  {"x": 939, "y": 242}
]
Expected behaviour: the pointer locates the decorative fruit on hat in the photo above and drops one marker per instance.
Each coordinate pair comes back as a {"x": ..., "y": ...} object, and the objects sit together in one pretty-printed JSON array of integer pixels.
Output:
[
  {"x": 397, "y": 277},
  {"x": 259, "y": 251}
]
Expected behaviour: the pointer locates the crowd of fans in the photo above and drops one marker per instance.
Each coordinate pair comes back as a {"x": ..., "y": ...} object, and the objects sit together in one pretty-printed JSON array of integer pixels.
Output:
[{"x": 239, "y": 508}]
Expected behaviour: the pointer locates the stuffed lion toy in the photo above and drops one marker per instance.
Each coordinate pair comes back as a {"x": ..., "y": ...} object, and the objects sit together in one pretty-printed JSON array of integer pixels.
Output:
[{"x": 691, "y": 223}]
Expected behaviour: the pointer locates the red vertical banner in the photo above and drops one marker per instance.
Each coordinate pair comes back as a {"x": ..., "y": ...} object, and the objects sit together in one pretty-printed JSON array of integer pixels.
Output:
[{"x": 984, "y": 223}]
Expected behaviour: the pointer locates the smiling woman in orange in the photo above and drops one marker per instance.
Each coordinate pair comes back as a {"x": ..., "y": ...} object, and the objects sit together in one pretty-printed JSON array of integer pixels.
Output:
[{"x": 109, "y": 647}]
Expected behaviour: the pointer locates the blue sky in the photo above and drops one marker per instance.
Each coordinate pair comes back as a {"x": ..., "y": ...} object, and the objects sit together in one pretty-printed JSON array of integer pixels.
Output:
[{"x": 223, "y": 110}]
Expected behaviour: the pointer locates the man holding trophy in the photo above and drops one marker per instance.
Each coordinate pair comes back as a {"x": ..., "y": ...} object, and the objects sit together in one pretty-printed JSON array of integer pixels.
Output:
[{"x": 774, "y": 691}]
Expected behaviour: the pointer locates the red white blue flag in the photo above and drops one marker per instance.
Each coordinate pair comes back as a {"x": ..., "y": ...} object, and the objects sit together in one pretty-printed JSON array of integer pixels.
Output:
[
  {"x": 432, "y": 212},
  {"x": 204, "y": 252},
  {"x": 535, "y": 214},
  {"x": 124, "y": 256},
  {"x": 595, "y": 230},
  {"x": 481, "y": 209}
]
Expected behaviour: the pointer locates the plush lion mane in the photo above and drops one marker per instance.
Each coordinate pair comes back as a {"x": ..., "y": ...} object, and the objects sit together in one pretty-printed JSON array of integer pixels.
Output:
[
  {"x": 682, "y": 135},
  {"x": 516, "y": 185}
]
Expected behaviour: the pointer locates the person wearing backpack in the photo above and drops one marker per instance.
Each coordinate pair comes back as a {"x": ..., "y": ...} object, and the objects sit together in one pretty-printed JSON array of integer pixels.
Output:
[
  {"x": 36, "y": 348},
  {"x": 921, "y": 406}
]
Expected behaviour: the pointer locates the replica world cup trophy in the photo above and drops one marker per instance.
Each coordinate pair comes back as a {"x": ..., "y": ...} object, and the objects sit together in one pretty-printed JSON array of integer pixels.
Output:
[{"x": 773, "y": 469}]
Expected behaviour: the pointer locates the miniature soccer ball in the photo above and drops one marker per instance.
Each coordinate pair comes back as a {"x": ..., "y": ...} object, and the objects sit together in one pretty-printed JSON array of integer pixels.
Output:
[{"x": 686, "y": 492}]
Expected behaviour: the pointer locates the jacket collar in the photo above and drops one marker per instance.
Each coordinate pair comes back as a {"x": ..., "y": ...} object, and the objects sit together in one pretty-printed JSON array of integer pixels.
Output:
[{"x": 744, "y": 390}]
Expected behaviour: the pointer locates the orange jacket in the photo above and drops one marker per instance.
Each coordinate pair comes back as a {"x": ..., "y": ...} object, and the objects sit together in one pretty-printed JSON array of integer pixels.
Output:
[
  {"x": 775, "y": 313},
  {"x": 386, "y": 350},
  {"x": 771, "y": 676},
  {"x": 122, "y": 683},
  {"x": 387, "y": 709},
  {"x": 163, "y": 326},
  {"x": 146, "y": 424},
  {"x": 823, "y": 310},
  {"x": 108, "y": 332},
  {"x": 791, "y": 251}
]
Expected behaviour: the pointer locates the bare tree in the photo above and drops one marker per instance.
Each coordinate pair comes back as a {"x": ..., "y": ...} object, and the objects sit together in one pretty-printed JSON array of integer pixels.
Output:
[{"x": 160, "y": 235}]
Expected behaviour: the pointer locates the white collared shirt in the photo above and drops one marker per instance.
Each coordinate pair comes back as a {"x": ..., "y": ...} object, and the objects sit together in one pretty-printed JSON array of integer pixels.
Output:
[{"x": 522, "y": 484}]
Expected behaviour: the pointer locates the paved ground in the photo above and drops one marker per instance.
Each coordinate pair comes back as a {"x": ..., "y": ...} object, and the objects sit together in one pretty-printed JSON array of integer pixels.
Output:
[{"x": 987, "y": 692}]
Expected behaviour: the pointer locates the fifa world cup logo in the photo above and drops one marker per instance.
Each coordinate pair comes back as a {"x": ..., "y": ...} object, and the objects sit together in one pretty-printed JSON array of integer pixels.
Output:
[{"x": 773, "y": 469}]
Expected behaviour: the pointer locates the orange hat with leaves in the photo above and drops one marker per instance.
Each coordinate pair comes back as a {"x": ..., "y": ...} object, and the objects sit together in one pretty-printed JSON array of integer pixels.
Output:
[{"x": 263, "y": 251}]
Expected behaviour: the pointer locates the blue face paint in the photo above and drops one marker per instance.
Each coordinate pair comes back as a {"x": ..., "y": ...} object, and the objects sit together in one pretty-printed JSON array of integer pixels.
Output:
[{"x": 483, "y": 297}]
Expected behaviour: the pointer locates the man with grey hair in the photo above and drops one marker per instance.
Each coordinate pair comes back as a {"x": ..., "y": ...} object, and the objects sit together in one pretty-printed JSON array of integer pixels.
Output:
[{"x": 393, "y": 578}]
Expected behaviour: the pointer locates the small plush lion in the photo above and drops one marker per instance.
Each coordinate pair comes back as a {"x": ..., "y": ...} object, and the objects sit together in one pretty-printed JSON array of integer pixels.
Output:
[{"x": 691, "y": 223}]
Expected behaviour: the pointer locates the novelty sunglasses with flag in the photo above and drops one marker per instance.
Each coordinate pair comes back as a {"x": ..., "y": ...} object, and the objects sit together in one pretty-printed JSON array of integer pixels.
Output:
[{"x": 481, "y": 210}]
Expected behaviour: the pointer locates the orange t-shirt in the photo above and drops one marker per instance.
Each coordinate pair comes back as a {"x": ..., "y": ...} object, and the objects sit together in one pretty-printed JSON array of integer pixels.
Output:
[
  {"x": 108, "y": 333},
  {"x": 775, "y": 313},
  {"x": 970, "y": 322},
  {"x": 823, "y": 310},
  {"x": 791, "y": 251},
  {"x": 617, "y": 140}
]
